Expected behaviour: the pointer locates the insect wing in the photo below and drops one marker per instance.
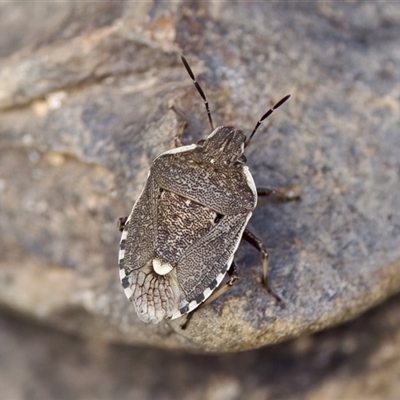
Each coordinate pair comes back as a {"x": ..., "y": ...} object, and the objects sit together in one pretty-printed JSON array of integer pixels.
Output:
[
  {"x": 155, "y": 297},
  {"x": 203, "y": 266}
]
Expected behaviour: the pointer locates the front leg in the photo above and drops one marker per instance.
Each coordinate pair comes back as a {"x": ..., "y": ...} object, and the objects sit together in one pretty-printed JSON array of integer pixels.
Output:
[
  {"x": 179, "y": 113},
  {"x": 291, "y": 194}
]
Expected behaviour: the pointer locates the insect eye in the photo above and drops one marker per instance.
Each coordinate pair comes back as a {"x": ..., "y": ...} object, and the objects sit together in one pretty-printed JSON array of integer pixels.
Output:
[
  {"x": 200, "y": 142},
  {"x": 242, "y": 159},
  {"x": 218, "y": 218}
]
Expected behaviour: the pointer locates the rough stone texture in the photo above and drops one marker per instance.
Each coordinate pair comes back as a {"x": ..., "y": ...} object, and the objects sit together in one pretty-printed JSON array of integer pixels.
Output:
[
  {"x": 85, "y": 107},
  {"x": 359, "y": 361}
]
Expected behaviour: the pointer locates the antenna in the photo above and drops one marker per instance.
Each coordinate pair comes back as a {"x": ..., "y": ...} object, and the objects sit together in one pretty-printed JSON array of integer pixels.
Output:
[
  {"x": 265, "y": 116},
  {"x": 199, "y": 89}
]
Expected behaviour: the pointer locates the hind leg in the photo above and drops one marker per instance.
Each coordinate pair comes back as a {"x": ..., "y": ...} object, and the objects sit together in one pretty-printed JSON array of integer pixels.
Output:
[
  {"x": 233, "y": 278},
  {"x": 259, "y": 245}
]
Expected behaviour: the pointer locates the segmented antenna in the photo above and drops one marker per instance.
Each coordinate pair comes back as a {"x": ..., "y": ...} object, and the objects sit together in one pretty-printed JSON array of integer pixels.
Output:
[
  {"x": 199, "y": 89},
  {"x": 265, "y": 116}
]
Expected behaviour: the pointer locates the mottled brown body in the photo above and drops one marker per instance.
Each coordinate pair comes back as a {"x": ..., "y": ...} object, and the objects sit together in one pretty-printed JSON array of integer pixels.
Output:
[
  {"x": 179, "y": 241},
  {"x": 180, "y": 238}
]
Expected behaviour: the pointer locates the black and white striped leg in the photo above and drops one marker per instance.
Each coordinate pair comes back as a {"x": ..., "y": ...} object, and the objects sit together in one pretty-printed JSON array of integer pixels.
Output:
[
  {"x": 233, "y": 278},
  {"x": 280, "y": 194},
  {"x": 259, "y": 245},
  {"x": 121, "y": 223}
]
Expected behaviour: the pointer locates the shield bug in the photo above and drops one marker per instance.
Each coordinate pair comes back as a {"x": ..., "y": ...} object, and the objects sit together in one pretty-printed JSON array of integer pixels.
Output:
[{"x": 180, "y": 239}]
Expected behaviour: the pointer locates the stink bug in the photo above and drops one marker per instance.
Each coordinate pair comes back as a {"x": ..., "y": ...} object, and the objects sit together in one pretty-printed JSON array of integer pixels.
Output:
[{"x": 180, "y": 239}]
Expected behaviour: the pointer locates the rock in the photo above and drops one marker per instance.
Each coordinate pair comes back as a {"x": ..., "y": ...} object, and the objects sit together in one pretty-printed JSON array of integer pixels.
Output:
[
  {"x": 84, "y": 110},
  {"x": 358, "y": 360}
]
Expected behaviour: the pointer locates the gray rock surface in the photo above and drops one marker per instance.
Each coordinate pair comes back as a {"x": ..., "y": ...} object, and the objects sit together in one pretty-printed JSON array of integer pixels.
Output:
[
  {"x": 359, "y": 361},
  {"x": 85, "y": 107}
]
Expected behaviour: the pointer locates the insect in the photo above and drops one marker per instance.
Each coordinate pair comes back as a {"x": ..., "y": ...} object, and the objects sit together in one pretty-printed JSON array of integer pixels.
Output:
[{"x": 179, "y": 241}]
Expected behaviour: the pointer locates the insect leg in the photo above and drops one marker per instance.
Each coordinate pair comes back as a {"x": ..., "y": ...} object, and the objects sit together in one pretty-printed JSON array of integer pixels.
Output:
[
  {"x": 281, "y": 194},
  {"x": 182, "y": 125},
  {"x": 182, "y": 116},
  {"x": 233, "y": 278},
  {"x": 121, "y": 223},
  {"x": 259, "y": 245}
]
